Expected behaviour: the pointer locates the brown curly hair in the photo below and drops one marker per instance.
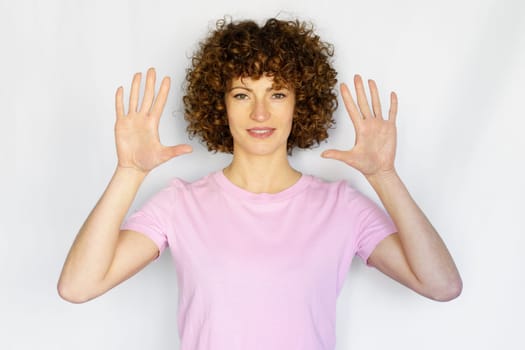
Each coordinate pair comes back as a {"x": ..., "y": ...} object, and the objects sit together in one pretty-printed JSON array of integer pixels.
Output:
[{"x": 288, "y": 51}]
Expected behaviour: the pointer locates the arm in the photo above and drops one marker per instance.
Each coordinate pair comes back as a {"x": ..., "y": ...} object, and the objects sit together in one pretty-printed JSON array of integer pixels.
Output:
[
  {"x": 102, "y": 255},
  {"x": 89, "y": 269},
  {"x": 415, "y": 256}
]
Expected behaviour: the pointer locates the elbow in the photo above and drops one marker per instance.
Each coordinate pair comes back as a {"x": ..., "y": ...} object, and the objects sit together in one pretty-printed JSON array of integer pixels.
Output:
[
  {"x": 70, "y": 294},
  {"x": 449, "y": 291}
]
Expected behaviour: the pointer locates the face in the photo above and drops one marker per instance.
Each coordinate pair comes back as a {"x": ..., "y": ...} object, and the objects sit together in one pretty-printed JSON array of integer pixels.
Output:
[{"x": 259, "y": 115}]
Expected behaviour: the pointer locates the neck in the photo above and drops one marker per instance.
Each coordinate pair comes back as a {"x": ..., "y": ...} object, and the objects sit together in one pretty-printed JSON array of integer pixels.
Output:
[{"x": 261, "y": 174}]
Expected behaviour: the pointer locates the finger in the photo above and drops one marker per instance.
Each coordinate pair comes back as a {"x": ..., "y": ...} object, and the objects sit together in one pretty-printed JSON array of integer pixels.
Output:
[
  {"x": 334, "y": 154},
  {"x": 134, "y": 94},
  {"x": 350, "y": 106},
  {"x": 149, "y": 91},
  {"x": 174, "y": 151},
  {"x": 392, "y": 113},
  {"x": 119, "y": 104},
  {"x": 376, "y": 104},
  {"x": 162, "y": 96},
  {"x": 361, "y": 97}
]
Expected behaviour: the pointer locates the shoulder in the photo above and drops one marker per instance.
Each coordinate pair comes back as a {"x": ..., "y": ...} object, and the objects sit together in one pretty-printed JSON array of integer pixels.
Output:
[
  {"x": 340, "y": 193},
  {"x": 341, "y": 189},
  {"x": 201, "y": 186},
  {"x": 178, "y": 192}
]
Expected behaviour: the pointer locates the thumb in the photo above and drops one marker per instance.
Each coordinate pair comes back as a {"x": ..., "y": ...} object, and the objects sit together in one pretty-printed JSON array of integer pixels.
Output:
[
  {"x": 174, "y": 151},
  {"x": 335, "y": 154}
]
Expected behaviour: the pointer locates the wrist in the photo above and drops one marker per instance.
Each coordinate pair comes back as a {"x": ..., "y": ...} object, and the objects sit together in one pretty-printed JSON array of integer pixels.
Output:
[
  {"x": 382, "y": 177},
  {"x": 131, "y": 172}
]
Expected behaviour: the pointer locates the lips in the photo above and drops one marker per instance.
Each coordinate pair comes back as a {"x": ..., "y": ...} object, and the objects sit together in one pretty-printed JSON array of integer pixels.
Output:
[{"x": 260, "y": 132}]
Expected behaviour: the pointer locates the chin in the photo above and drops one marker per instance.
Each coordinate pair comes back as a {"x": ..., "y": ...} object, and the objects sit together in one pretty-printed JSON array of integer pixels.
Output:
[{"x": 260, "y": 150}]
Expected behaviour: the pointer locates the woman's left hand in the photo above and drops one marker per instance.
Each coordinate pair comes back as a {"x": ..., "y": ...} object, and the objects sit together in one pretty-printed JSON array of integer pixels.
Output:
[{"x": 375, "y": 142}]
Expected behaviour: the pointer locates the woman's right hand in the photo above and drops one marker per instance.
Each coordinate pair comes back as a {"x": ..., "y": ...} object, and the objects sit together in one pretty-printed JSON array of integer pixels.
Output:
[{"x": 136, "y": 133}]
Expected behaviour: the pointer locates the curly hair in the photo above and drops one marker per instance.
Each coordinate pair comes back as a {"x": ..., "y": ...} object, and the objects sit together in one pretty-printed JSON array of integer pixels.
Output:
[{"x": 288, "y": 51}]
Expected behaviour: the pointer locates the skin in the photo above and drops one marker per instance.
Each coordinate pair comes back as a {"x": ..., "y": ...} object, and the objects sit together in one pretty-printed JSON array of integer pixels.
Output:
[
  {"x": 102, "y": 256},
  {"x": 416, "y": 255},
  {"x": 260, "y": 165}
]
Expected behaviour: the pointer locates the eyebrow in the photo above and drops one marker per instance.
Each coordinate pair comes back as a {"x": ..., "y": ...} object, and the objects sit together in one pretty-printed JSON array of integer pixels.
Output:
[
  {"x": 239, "y": 87},
  {"x": 248, "y": 89}
]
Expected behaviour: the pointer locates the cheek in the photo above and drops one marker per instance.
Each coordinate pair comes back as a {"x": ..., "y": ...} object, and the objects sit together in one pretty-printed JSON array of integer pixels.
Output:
[
  {"x": 234, "y": 113},
  {"x": 291, "y": 114},
  {"x": 230, "y": 115}
]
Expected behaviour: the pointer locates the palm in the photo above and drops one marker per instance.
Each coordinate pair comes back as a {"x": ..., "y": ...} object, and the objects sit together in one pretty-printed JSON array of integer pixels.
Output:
[
  {"x": 136, "y": 134},
  {"x": 138, "y": 145},
  {"x": 375, "y": 143}
]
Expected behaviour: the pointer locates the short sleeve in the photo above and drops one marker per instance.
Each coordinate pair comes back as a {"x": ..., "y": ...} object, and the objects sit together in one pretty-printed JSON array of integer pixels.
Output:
[
  {"x": 152, "y": 219},
  {"x": 372, "y": 225}
]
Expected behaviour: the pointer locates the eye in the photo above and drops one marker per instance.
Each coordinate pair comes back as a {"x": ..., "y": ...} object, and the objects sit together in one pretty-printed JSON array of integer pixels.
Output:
[
  {"x": 279, "y": 95},
  {"x": 240, "y": 96}
]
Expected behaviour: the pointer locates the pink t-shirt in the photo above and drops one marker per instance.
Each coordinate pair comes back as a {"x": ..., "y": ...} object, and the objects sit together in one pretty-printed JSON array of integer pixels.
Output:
[{"x": 260, "y": 271}]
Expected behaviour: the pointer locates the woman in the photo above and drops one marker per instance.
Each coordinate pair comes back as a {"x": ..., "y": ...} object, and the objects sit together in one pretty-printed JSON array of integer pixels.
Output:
[{"x": 261, "y": 249}]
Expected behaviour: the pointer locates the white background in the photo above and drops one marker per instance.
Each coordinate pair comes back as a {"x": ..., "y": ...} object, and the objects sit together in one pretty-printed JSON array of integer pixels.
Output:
[{"x": 457, "y": 67}]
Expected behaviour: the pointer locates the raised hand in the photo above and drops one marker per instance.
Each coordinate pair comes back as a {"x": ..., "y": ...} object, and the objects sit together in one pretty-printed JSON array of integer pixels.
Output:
[
  {"x": 136, "y": 133},
  {"x": 375, "y": 142}
]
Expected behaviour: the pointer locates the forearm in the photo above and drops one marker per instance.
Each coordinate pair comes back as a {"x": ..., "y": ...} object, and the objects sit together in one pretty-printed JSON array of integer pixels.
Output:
[
  {"x": 93, "y": 249},
  {"x": 427, "y": 255}
]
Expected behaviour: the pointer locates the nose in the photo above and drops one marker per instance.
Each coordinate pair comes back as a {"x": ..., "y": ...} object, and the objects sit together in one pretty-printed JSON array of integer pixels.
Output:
[{"x": 260, "y": 111}]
